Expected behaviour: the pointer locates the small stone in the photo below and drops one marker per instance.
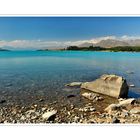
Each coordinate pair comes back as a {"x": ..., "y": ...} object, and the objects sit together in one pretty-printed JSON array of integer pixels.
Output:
[
  {"x": 90, "y": 96},
  {"x": 37, "y": 113},
  {"x": 100, "y": 98},
  {"x": 124, "y": 114},
  {"x": 115, "y": 120},
  {"x": 35, "y": 105},
  {"x": 71, "y": 106},
  {"x": 69, "y": 113},
  {"x": 30, "y": 111},
  {"x": 22, "y": 118},
  {"x": 112, "y": 107},
  {"x": 49, "y": 115},
  {"x": 44, "y": 108},
  {"x": 76, "y": 118},
  {"x": 92, "y": 109},
  {"x": 41, "y": 100},
  {"x": 103, "y": 115},
  {"x": 127, "y": 102},
  {"x": 135, "y": 110},
  {"x": 5, "y": 121},
  {"x": 14, "y": 121}
]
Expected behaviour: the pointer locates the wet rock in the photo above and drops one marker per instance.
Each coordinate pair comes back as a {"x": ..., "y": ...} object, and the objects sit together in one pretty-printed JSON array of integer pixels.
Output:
[
  {"x": 135, "y": 110},
  {"x": 127, "y": 102},
  {"x": 74, "y": 84},
  {"x": 8, "y": 85},
  {"x": 71, "y": 96},
  {"x": 49, "y": 115},
  {"x": 111, "y": 85},
  {"x": 2, "y": 101}
]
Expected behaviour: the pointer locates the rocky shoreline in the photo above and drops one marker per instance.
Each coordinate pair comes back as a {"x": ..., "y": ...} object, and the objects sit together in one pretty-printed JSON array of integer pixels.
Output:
[{"x": 95, "y": 108}]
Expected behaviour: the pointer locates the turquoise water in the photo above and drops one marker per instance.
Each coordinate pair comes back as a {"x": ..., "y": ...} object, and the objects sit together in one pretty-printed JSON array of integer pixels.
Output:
[{"x": 24, "y": 73}]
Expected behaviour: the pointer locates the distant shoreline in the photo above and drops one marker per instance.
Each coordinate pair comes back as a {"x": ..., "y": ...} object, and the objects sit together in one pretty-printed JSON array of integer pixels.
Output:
[
  {"x": 4, "y": 50},
  {"x": 98, "y": 49}
]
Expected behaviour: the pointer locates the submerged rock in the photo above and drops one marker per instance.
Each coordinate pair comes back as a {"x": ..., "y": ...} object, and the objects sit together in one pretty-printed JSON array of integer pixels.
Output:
[
  {"x": 74, "y": 84},
  {"x": 132, "y": 85},
  {"x": 130, "y": 72},
  {"x": 2, "y": 101},
  {"x": 71, "y": 96},
  {"x": 111, "y": 85}
]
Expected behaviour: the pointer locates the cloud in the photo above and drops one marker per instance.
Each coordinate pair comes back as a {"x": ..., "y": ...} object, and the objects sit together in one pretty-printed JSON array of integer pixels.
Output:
[
  {"x": 42, "y": 44},
  {"x": 38, "y": 44}
]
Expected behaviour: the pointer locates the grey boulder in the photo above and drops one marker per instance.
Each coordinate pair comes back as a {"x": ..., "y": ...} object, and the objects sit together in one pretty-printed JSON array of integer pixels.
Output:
[{"x": 111, "y": 85}]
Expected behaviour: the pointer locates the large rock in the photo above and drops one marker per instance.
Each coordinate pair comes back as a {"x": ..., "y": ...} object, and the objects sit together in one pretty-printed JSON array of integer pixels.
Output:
[{"x": 111, "y": 85}]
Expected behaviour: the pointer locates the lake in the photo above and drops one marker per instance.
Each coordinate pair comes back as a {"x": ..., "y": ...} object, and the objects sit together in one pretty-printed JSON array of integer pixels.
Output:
[{"x": 45, "y": 73}]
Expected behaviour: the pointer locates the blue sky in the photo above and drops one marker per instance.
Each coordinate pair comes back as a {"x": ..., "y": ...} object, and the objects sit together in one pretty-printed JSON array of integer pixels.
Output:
[
  {"x": 61, "y": 29},
  {"x": 66, "y": 28}
]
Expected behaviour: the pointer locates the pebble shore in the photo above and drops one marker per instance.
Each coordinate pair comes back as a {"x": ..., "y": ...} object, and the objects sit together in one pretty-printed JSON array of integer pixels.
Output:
[{"x": 91, "y": 111}]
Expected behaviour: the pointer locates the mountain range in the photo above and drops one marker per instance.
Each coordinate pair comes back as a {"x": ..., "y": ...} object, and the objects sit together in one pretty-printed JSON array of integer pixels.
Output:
[{"x": 108, "y": 43}]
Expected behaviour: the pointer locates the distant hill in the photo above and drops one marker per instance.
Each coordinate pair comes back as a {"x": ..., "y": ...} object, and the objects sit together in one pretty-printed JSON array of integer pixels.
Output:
[
  {"x": 111, "y": 43},
  {"x": 85, "y": 44},
  {"x": 4, "y": 49},
  {"x": 108, "y": 43}
]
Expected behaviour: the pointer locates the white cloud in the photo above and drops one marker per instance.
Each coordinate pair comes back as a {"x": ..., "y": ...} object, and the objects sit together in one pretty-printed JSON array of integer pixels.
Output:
[
  {"x": 96, "y": 40},
  {"x": 40, "y": 44},
  {"x": 126, "y": 37}
]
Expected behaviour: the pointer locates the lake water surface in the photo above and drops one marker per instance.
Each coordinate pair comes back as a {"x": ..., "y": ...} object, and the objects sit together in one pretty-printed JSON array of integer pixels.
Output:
[{"x": 24, "y": 73}]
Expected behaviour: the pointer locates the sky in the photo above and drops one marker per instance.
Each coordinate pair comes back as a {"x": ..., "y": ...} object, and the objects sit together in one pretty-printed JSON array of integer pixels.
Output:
[{"x": 47, "y": 32}]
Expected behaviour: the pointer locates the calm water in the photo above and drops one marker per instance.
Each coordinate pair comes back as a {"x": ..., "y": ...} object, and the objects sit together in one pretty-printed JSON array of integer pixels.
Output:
[{"x": 24, "y": 73}]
